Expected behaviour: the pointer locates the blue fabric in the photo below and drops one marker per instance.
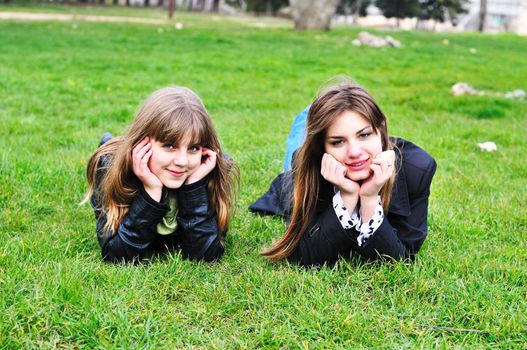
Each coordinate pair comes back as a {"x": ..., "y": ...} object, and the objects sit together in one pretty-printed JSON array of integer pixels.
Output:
[{"x": 296, "y": 138}]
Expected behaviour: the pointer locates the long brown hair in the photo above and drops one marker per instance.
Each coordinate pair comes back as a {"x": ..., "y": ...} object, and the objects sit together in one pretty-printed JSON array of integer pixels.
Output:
[
  {"x": 310, "y": 189},
  {"x": 168, "y": 115}
]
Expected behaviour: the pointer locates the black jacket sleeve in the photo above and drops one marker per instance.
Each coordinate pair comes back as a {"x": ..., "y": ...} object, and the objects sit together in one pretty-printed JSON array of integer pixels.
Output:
[
  {"x": 135, "y": 233},
  {"x": 137, "y": 230},
  {"x": 401, "y": 236},
  {"x": 197, "y": 224}
]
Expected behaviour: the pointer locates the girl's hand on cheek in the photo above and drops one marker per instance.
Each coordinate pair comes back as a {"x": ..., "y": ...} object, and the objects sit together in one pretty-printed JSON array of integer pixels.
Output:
[
  {"x": 382, "y": 168},
  {"x": 208, "y": 163},
  {"x": 140, "y": 156},
  {"x": 334, "y": 172}
]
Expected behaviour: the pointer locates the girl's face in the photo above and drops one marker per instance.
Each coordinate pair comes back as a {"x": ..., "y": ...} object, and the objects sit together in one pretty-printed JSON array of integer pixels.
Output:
[
  {"x": 173, "y": 164},
  {"x": 352, "y": 141}
]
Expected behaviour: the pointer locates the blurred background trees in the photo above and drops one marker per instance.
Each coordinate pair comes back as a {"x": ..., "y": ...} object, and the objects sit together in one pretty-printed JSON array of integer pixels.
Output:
[
  {"x": 353, "y": 7},
  {"x": 399, "y": 9},
  {"x": 307, "y": 14},
  {"x": 441, "y": 11}
]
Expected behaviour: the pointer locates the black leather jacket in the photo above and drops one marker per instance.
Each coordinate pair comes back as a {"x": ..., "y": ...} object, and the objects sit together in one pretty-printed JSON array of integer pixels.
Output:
[
  {"x": 136, "y": 238},
  {"x": 400, "y": 235}
]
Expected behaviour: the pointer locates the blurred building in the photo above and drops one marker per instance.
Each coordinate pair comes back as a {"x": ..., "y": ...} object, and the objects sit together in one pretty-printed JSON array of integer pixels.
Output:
[{"x": 502, "y": 16}]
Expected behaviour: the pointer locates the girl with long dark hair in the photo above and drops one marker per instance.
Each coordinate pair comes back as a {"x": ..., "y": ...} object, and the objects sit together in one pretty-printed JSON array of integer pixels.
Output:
[{"x": 353, "y": 190}]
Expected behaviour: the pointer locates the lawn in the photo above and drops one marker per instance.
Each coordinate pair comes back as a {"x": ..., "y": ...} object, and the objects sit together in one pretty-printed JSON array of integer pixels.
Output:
[{"x": 66, "y": 83}]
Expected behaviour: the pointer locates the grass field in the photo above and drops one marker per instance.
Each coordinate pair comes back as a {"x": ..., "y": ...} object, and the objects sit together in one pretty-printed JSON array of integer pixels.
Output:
[{"x": 65, "y": 83}]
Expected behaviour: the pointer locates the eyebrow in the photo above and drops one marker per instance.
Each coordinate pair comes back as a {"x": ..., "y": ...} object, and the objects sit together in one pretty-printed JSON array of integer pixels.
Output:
[
  {"x": 363, "y": 129},
  {"x": 337, "y": 137}
]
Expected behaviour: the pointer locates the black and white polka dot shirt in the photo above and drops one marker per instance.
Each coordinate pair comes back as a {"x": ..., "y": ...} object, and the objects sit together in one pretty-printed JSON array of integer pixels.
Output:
[{"x": 366, "y": 229}]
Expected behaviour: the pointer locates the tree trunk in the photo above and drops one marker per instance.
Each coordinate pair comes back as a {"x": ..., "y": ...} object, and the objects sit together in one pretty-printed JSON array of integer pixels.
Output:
[
  {"x": 216, "y": 6},
  {"x": 313, "y": 14},
  {"x": 170, "y": 8},
  {"x": 482, "y": 15},
  {"x": 355, "y": 11},
  {"x": 209, "y": 5}
]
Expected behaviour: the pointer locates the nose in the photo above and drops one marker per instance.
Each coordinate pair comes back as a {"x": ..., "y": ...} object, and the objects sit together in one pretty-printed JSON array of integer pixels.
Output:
[
  {"x": 180, "y": 158},
  {"x": 354, "y": 150}
]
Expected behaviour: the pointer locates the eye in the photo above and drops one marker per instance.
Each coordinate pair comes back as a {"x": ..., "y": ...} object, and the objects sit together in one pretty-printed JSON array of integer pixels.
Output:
[
  {"x": 168, "y": 146},
  {"x": 195, "y": 148},
  {"x": 365, "y": 135},
  {"x": 336, "y": 141}
]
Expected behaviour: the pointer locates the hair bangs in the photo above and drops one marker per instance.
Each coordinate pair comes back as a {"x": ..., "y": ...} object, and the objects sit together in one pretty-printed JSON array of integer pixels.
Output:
[{"x": 181, "y": 126}]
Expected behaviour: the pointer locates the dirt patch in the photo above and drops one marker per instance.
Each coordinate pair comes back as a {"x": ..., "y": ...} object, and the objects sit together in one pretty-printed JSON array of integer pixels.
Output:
[{"x": 26, "y": 16}]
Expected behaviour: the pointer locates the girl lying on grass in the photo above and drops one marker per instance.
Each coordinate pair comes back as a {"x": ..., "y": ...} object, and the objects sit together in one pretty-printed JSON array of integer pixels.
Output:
[
  {"x": 353, "y": 189},
  {"x": 165, "y": 184}
]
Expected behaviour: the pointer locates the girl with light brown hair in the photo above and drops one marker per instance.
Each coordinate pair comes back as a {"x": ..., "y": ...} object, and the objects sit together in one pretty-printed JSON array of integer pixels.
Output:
[
  {"x": 352, "y": 190},
  {"x": 166, "y": 184}
]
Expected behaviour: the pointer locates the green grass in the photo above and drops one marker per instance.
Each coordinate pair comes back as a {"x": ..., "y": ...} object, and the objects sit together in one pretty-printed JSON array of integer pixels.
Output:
[{"x": 65, "y": 83}]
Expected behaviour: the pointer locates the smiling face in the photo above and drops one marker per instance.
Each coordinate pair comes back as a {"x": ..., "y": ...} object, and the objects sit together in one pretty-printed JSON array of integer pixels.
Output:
[
  {"x": 352, "y": 141},
  {"x": 173, "y": 164}
]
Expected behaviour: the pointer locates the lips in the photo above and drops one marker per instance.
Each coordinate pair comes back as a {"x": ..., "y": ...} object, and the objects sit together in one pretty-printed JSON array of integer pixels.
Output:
[
  {"x": 176, "y": 173},
  {"x": 359, "y": 165}
]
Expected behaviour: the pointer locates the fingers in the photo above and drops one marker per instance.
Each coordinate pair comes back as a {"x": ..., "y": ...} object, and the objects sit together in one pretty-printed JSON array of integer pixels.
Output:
[
  {"x": 386, "y": 161},
  {"x": 335, "y": 172},
  {"x": 328, "y": 168},
  {"x": 382, "y": 168},
  {"x": 140, "y": 145},
  {"x": 208, "y": 152},
  {"x": 387, "y": 156},
  {"x": 379, "y": 167},
  {"x": 324, "y": 167},
  {"x": 377, "y": 173},
  {"x": 331, "y": 169},
  {"x": 210, "y": 160},
  {"x": 139, "y": 150},
  {"x": 140, "y": 156}
]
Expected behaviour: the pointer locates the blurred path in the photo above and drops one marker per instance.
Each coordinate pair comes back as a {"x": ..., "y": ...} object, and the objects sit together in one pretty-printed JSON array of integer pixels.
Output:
[{"x": 27, "y": 16}]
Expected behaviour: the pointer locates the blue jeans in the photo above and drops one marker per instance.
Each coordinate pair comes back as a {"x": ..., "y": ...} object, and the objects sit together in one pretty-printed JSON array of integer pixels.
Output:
[{"x": 296, "y": 138}]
